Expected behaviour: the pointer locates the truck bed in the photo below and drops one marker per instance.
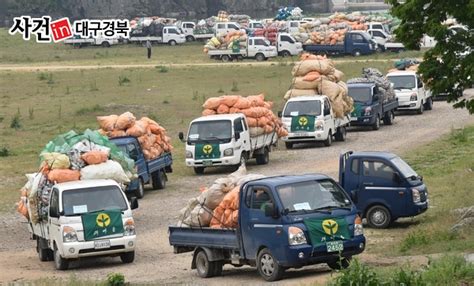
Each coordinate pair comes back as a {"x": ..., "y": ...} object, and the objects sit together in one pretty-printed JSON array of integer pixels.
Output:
[
  {"x": 318, "y": 48},
  {"x": 342, "y": 121},
  {"x": 160, "y": 163},
  {"x": 186, "y": 237},
  {"x": 263, "y": 140},
  {"x": 219, "y": 52},
  {"x": 390, "y": 104}
]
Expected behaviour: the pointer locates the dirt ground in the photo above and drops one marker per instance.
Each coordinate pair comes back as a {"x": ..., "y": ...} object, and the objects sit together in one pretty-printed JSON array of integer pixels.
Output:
[{"x": 155, "y": 261}]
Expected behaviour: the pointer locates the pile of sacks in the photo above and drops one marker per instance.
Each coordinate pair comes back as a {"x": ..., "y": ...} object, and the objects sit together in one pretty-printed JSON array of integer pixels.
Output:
[
  {"x": 227, "y": 41},
  {"x": 269, "y": 33},
  {"x": 289, "y": 13},
  {"x": 152, "y": 26},
  {"x": 151, "y": 136},
  {"x": 260, "y": 117},
  {"x": 375, "y": 76},
  {"x": 218, "y": 205},
  {"x": 72, "y": 157},
  {"x": 405, "y": 64},
  {"x": 315, "y": 75},
  {"x": 242, "y": 20}
]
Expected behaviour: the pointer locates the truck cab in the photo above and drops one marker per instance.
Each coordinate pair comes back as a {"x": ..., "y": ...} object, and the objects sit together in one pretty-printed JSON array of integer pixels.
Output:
[
  {"x": 410, "y": 91},
  {"x": 86, "y": 218},
  {"x": 283, "y": 222},
  {"x": 294, "y": 26},
  {"x": 260, "y": 49},
  {"x": 187, "y": 28},
  {"x": 254, "y": 25},
  {"x": 172, "y": 36},
  {"x": 287, "y": 45},
  {"x": 223, "y": 28},
  {"x": 378, "y": 26},
  {"x": 310, "y": 119},
  {"x": 383, "y": 186}
]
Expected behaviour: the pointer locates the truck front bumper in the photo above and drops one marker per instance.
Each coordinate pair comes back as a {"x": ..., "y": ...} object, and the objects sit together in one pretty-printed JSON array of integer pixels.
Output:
[
  {"x": 363, "y": 120},
  {"x": 224, "y": 161},
  {"x": 301, "y": 255},
  {"x": 408, "y": 105},
  {"x": 78, "y": 249},
  {"x": 305, "y": 136}
]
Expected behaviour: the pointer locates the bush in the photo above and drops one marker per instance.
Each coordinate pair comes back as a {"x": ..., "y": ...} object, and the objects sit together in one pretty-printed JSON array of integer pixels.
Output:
[
  {"x": 357, "y": 275},
  {"x": 162, "y": 69},
  {"x": 235, "y": 86},
  {"x": 16, "y": 121},
  {"x": 448, "y": 270},
  {"x": 115, "y": 279},
  {"x": 123, "y": 80},
  {"x": 5, "y": 152}
]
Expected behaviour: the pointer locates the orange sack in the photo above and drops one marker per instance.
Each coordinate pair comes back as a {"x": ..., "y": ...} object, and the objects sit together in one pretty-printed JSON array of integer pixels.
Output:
[
  {"x": 138, "y": 129},
  {"x": 207, "y": 112},
  {"x": 94, "y": 157},
  {"x": 125, "y": 120},
  {"x": 225, "y": 214},
  {"x": 312, "y": 76},
  {"x": 21, "y": 208},
  {"x": 63, "y": 175},
  {"x": 116, "y": 133},
  {"x": 223, "y": 109},
  {"x": 107, "y": 122},
  {"x": 229, "y": 100},
  {"x": 212, "y": 103},
  {"x": 242, "y": 103}
]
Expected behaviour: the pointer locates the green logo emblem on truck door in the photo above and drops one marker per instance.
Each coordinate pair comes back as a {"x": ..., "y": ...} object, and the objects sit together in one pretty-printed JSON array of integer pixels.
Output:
[
  {"x": 104, "y": 223},
  {"x": 303, "y": 123}
]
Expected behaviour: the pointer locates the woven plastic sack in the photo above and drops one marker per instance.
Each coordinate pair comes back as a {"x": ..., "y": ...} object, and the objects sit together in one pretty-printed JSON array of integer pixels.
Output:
[
  {"x": 56, "y": 160},
  {"x": 108, "y": 170},
  {"x": 299, "y": 92},
  {"x": 107, "y": 122},
  {"x": 125, "y": 120},
  {"x": 63, "y": 175},
  {"x": 95, "y": 157}
]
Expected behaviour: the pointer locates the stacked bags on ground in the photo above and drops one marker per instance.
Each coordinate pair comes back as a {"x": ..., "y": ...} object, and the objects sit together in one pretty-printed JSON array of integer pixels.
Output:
[
  {"x": 289, "y": 13},
  {"x": 405, "y": 64},
  {"x": 260, "y": 118},
  {"x": 375, "y": 76},
  {"x": 218, "y": 205},
  {"x": 227, "y": 41},
  {"x": 71, "y": 157},
  {"x": 317, "y": 75},
  {"x": 151, "y": 136}
]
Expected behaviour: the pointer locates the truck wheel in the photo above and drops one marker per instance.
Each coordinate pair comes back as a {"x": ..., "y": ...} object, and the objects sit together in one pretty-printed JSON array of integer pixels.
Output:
[
  {"x": 376, "y": 125},
  {"x": 190, "y": 38},
  {"x": 268, "y": 267},
  {"x": 262, "y": 159},
  {"x": 59, "y": 262},
  {"x": 339, "y": 264},
  {"x": 378, "y": 217},
  {"x": 44, "y": 254},
  {"x": 289, "y": 145},
  {"x": 341, "y": 134},
  {"x": 199, "y": 170},
  {"x": 158, "y": 180},
  {"x": 259, "y": 57},
  {"x": 421, "y": 109},
  {"x": 285, "y": 54},
  {"x": 105, "y": 44},
  {"x": 127, "y": 257},
  {"x": 226, "y": 58},
  {"x": 140, "y": 191},
  {"x": 328, "y": 140},
  {"x": 388, "y": 118},
  {"x": 429, "y": 104},
  {"x": 172, "y": 43},
  {"x": 204, "y": 267},
  {"x": 356, "y": 53}
]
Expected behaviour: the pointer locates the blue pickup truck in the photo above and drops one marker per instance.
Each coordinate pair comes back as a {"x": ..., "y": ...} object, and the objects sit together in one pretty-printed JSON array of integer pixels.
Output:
[
  {"x": 283, "y": 222},
  {"x": 153, "y": 171},
  {"x": 383, "y": 186},
  {"x": 355, "y": 43},
  {"x": 369, "y": 106}
]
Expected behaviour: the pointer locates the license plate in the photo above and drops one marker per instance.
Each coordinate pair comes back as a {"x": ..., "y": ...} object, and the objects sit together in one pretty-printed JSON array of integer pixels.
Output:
[
  {"x": 300, "y": 134},
  {"x": 207, "y": 163},
  {"x": 101, "y": 244},
  {"x": 353, "y": 118},
  {"x": 334, "y": 246}
]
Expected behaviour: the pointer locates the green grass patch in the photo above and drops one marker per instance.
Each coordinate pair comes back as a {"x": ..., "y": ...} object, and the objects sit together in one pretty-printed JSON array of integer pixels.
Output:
[{"x": 90, "y": 110}]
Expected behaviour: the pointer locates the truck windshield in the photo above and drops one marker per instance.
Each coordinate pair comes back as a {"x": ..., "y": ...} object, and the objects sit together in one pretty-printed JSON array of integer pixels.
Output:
[
  {"x": 215, "y": 130},
  {"x": 94, "y": 199},
  {"x": 402, "y": 81},
  {"x": 360, "y": 94},
  {"x": 312, "y": 195},
  {"x": 404, "y": 168},
  {"x": 306, "y": 107}
]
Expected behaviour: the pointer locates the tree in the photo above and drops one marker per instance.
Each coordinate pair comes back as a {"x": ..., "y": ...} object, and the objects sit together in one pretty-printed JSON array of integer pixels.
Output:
[{"x": 448, "y": 67}]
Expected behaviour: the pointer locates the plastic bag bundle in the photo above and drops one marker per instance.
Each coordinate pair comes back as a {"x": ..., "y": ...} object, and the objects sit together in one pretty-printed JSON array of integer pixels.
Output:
[{"x": 373, "y": 75}]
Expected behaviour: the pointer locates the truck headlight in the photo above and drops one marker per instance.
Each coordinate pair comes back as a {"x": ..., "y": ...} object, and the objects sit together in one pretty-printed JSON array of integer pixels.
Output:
[
  {"x": 319, "y": 125},
  {"x": 129, "y": 227},
  {"x": 413, "y": 97},
  {"x": 189, "y": 155},
  {"x": 416, "y": 195},
  {"x": 368, "y": 111},
  {"x": 296, "y": 236},
  {"x": 229, "y": 152},
  {"x": 358, "y": 228},
  {"x": 69, "y": 234}
]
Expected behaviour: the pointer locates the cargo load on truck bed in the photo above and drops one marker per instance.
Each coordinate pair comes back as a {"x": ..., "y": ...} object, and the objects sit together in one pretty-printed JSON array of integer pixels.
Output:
[
  {"x": 71, "y": 157},
  {"x": 234, "y": 40},
  {"x": 373, "y": 75},
  {"x": 316, "y": 75}
]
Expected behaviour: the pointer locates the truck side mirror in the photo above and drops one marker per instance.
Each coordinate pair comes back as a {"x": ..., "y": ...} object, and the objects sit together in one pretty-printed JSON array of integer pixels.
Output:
[
  {"x": 53, "y": 212},
  {"x": 237, "y": 136},
  {"x": 181, "y": 136},
  {"x": 327, "y": 111},
  {"x": 271, "y": 210},
  {"x": 376, "y": 97},
  {"x": 133, "y": 203},
  {"x": 280, "y": 113}
]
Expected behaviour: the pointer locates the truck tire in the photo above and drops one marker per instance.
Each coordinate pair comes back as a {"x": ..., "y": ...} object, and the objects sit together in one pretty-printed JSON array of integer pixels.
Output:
[
  {"x": 285, "y": 54},
  {"x": 190, "y": 38},
  {"x": 127, "y": 257},
  {"x": 226, "y": 58},
  {"x": 328, "y": 141},
  {"x": 259, "y": 57},
  {"x": 140, "y": 191},
  {"x": 268, "y": 267},
  {"x": 199, "y": 170},
  {"x": 341, "y": 134},
  {"x": 158, "y": 180},
  {"x": 376, "y": 125},
  {"x": 105, "y": 44},
  {"x": 204, "y": 267},
  {"x": 356, "y": 53},
  {"x": 388, "y": 118},
  {"x": 429, "y": 104},
  {"x": 289, "y": 145},
  {"x": 59, "y": 262},
  {"x": 262, "y": 159},
  {"x": 421, "y": 109},
  {"x": 339, "y": 264},
  {"x": 172, "y": 43},
  {"x": 44, "y": 254},
  {"x": 378, "y": 216}
]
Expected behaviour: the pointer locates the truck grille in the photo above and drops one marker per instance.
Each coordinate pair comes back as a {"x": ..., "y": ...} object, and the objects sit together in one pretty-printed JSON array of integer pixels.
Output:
[{"x": 89, "y": 250}]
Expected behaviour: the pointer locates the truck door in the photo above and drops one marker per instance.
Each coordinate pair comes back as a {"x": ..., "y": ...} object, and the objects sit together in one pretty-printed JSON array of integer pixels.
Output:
[
  {"x": 420, "y": 89},
  {"x": 285, "y": 43},
  {"x": 243, "y": 137},
  {"x": 357, "y": 43},
  {"x": 54, "y": 229},
  {"x": 377, "y": 184},
  {"x": 351, "y": 177},
  {"x": 328, "y": 117},
  {"x": 257, "y": 229},
  {"x": 135, "y": 153}
]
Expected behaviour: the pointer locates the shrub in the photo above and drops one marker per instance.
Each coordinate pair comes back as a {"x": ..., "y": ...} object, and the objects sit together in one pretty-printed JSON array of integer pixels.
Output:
[
  {"x": 235, "y": 86},
  {"x": 123, "y": 80},
  {"x": 16, "y": 121},
  {"x": 115, "y": 279},
  {"x": 162, "y": 69},
  {"x": 357, "y": 275},
  {"x": 5, "y": 152}
]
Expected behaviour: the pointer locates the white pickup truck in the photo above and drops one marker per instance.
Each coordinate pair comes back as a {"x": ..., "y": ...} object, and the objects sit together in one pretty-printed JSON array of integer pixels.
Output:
[
  {"x": 385, "y": 41},
  {"x": 189, "y": 31},
  {"x": 410, "y": 91},
  {"x": 225, "y": 140},
  {"x": 310, "y": 118},
  {"x": 170, "y": 35},
  {"x": 86, "y": 218},
  {"x": 258, "y": 48},
  {"x": 287, "y": 45},
  {"x": 79, "y": 42}
]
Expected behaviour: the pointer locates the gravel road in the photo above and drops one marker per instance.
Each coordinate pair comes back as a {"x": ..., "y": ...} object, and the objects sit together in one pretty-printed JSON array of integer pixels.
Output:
[{"x": 155, "y": 261}]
